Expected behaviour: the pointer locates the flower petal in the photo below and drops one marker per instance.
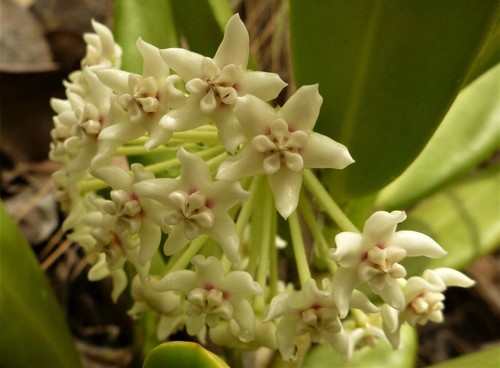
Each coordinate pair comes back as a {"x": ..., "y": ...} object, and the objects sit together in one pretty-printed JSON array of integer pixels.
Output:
[
  {"x": 116, "y": 177},
  {"x": 235, "y": 46},
  {"x": 158, "y": 189},
  {"x": 348, "y": 251},
  {"x": 380, "y": 226},
  {"x": 285, "y": 185},
  {"x": 247, "y": 162},
  {"x": 417, "y": 244},
  {"x": 254, "y": 115},
  {"x": 150, "y": 236},
  {"x": 115, "y": 79},
  {"x": 176, "y": 240},
  {"x": 452, "y": 277},
  {"x": 224, "y": 232},
  {"x": 321, "y": 152},
  {"x": 195, "y": 173},
  {"x": 343, "y": 284},
  {"x": 153, "y": 64},
  {"x": 187, "y": 64},
  {"x": 263, "y": 85},
  {"x": 302, "y": 108},
  {"x": 122, "y": 132}
]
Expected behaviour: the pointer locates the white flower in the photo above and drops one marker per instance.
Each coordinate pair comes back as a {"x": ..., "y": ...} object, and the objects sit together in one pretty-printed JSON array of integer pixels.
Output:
[
  {"x": 166, "y": 304},
  {"x": 310, "y": 311},
  {"x": 374, "y": 257},
  {"x": 196, "y": 205},
  {"x": 146, "y": 98},
  {"x": 423, "y": 300},
  {"x": 212, "y": 296},
  {"x": 281, "y": 144},
  {"x": 214, "y": 84},
  {"x": 102, "y": 51},
  {"x": 127, "y": 211}
]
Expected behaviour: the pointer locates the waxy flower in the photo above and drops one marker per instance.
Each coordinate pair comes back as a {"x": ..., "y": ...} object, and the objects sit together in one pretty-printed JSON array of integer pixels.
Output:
[
  {"x": 281, "y": 144},
  {"x": 311, "y": 311},
  {"x": 213, "y": 295},
  {"x": 146, "y": 98},
  {"x": 102, "y": 51},
  {"x": 129, "y": 213},
  {"x": 374, "y": 257},
  {"x": 166, "y": 304},
  {"x": 195, "y": 205},
  {"x": 214, "y": 84},
  {"x": 423, "y": 300}
]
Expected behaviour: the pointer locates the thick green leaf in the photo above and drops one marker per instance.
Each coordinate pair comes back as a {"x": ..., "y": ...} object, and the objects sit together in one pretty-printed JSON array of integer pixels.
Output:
[
  {"x": 469, "y": 133},
  {"x": 182, "y": 354},
  {"x": 463, "y": 219},
  {"x": 33, "y": 331},
  {"x": 489, "y": 358},
  {"x": 152, "y": 20},
  {"x": 382, "y": 355},
  {"x": 388, "y": 72},
  {"x": 202, "y": 23}
]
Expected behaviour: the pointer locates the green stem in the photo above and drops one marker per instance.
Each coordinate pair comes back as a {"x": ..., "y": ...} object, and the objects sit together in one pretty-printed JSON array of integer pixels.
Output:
[
  {"x": 266, "y": 242},
  {"x": 331, "y": 208},
  {"x": 191, "y": 250},
  {"x": 174, "y": 162},
  {"x": 299, "y": 249},
  {"x": 247, "y": 208},
  {"x": 256, "y": 227},
  {"x": 322, "y": 245}
]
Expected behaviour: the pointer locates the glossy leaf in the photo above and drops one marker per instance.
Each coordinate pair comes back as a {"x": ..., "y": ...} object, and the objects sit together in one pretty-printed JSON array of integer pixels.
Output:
[
  {"x": 33, "y": 331},
  {"x": 202, "y": 23},
  {"x": 382, "y": 355},
  {"x": 152, "y": 20},
  {"x": 469, "y": 134},
  {"x": 388, "y": 72},
  {"x": 489, "y": 358},
  {"x": 463, "y": 219},
  {"x": 182, "y": 354}
]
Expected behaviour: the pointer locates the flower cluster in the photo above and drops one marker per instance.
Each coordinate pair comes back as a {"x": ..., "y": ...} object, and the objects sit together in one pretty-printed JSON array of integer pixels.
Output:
[{"x": 164, "y": 178}]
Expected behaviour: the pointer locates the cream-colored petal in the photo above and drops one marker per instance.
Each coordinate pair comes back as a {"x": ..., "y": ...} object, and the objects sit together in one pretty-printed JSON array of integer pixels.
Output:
[
  {"x": 224, "y": 232},
  {"x": 452, "y": 277},
  {"x": 247, "y": 162},
  {"x": 122, "y": 132},
  {"x": 157, "y": 189},
  {"x": 153, "y": 64},
  {"x": 271, "y": 164},
  {"x": 381, "y": 226},
  {"x": 176, "y": 240},
  {"x": 235, "y": 46},
  {"x": 343, "y": 284},
  {"x": 117, "y": 80},
  {"x": 186, "y": 64},
  {"x": 254, "y": 115},
  {"x": 348, "y": 251},
  {"x": 208, "y": 103},
  {"x": 186, "y": 117},
  {"x": 116, "y": 177},
  {"x": 150, "y": 236},
  {"x": 321, "y": 152},
  {"x": 195, "y": 173},
  {"x": 302, "y": 108},
  {"x": 417, "y": 244},
  {"x": 263, "y": 85},
  {"x": 285, "y": 185}
]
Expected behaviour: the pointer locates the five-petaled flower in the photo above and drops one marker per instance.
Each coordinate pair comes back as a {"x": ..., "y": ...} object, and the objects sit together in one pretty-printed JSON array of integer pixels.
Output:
[
  {"x": 214, "y": 84},
  {"x": 374, "y": 257},
  {"x": 311, "y": 311},
  {"x": 195, "y": 204},
  {"x": 281, "y": 143},
  {"x": 213, "y": 295}
]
